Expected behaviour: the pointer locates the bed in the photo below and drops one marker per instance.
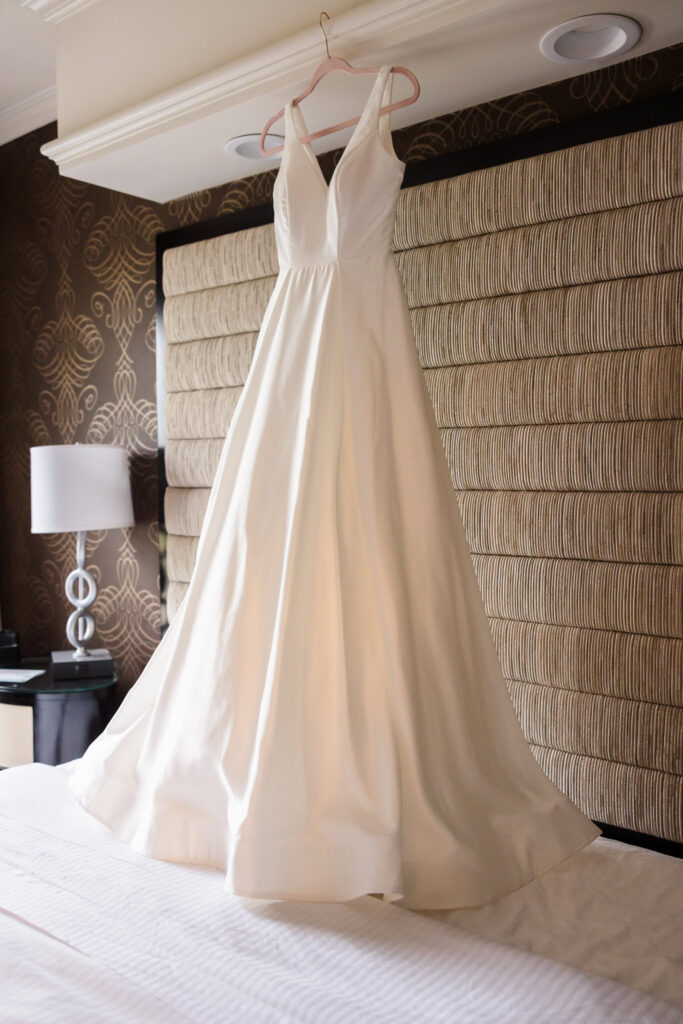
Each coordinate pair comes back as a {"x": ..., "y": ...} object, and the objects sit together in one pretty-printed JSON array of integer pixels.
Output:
[
  {"x": 93, "y": 931},
  {"x": 547, "y": 324}
]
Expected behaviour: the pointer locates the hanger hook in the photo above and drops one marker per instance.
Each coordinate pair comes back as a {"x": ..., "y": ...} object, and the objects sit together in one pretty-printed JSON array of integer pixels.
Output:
[{"x": 326, "y": 15}]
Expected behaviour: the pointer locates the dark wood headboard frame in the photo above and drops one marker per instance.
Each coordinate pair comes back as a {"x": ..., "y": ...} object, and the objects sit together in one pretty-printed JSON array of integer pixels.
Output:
[{"x": 634, "y": 117}]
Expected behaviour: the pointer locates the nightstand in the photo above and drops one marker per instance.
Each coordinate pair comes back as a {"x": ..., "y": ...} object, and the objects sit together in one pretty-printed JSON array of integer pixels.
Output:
[{"x": 52, "y": 720}]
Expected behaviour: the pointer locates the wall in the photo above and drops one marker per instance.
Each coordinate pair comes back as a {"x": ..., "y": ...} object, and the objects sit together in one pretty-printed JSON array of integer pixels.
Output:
[{"x": 77, "y": 295}]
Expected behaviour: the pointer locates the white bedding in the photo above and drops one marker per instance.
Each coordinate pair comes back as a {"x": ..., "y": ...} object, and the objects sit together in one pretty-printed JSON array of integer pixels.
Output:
[{"x": 92, "y": 931}]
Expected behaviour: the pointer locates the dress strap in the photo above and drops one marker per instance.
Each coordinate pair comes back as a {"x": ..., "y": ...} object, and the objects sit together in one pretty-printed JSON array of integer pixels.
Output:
[
  {"x": 374, "y": 101},
  {"x": 291, "y": 126},
  {"x": 384, "y": 119}
]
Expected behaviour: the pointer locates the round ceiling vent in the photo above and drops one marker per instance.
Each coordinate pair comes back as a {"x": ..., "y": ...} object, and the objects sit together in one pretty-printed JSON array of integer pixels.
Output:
[
  {"x": 593, "y": 37},
  {"x": 246, "y": 146}
]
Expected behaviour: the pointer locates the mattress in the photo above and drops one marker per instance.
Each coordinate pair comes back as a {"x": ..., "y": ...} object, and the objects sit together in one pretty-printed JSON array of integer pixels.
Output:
[{"x": 92, "y": 930}]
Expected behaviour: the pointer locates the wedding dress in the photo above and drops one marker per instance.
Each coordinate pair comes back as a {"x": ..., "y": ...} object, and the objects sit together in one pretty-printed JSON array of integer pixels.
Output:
[{"x": 326, "y": 715}]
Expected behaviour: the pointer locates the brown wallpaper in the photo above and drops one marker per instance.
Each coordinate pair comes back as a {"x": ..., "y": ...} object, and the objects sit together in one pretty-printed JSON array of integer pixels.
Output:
[{"x": 77, "y": 331}]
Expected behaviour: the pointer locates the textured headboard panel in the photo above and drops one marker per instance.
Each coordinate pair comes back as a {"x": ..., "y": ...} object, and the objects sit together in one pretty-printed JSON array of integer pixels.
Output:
[{"x": 546, "y": 298}]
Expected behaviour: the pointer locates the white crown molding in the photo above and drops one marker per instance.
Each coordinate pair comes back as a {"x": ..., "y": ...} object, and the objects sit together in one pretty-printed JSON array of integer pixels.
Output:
[
  {"x": 31, "y": 113},
  {"x": 372, "y": 27},
  {"x": 56, "y": 10}
]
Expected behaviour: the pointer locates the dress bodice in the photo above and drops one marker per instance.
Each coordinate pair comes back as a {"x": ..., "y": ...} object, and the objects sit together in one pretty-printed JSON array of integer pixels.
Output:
[{"x": 352, "y": 217}]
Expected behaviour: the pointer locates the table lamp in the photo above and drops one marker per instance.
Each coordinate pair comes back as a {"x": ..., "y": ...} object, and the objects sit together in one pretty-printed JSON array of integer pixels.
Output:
[{"x": 76, "y": 488}]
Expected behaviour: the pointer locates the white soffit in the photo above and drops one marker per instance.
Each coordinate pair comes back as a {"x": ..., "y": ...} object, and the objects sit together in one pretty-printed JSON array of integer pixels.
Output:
[
  {"x": 56, "y": 10},
  {"x": 26, "y": 115},
  {"x": 463, "y": 52},
  {"x": 28, "y": 97}
]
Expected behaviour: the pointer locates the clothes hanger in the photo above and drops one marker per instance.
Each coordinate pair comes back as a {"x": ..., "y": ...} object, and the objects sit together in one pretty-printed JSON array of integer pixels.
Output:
[{"x": 334, "y": 64}]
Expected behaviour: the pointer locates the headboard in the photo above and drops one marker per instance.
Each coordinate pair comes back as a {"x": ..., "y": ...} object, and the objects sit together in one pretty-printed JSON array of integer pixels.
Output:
[{"x": 545, "y": 296}]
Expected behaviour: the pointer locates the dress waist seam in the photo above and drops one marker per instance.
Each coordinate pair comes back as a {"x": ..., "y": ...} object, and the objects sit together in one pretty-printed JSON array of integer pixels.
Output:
[{"x": 330, "y": 263}]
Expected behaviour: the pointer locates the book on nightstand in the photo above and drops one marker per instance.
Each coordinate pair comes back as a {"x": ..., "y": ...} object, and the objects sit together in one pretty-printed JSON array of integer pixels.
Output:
[{"x": 9, "y": 649}]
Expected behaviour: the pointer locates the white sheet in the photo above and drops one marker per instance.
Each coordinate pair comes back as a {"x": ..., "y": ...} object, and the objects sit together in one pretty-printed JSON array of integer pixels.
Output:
[
  {"x": 91, "y": 930},
  {"x": 613, "y": 909}
]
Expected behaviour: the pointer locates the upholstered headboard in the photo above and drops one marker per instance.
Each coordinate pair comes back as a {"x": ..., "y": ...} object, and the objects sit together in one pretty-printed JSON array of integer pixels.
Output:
[{"x": 546, "y": 301}]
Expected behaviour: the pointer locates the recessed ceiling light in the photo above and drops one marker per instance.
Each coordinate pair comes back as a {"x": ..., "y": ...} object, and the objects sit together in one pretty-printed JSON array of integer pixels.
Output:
[
  {"x": 246, "y": 146},
  {"x": 593, "y": 37}
]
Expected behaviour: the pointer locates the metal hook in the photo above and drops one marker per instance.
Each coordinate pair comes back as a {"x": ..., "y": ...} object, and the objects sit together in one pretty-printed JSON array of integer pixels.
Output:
[{"x": 327, "y": 49}]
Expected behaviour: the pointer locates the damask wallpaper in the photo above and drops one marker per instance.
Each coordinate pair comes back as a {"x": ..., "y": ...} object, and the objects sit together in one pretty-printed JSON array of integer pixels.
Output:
[{"x": 77, "y": 331}]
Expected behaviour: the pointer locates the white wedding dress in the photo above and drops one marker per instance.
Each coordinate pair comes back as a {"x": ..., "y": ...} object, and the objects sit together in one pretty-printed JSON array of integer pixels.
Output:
[{"x": 326, "y": 716}]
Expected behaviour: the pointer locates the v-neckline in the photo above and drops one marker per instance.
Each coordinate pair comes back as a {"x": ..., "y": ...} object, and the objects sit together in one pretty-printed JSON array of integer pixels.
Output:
[{"x": 307, "y": 147}]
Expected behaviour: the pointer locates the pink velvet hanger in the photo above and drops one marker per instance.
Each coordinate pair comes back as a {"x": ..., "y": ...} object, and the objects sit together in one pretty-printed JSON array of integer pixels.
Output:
[{"x": 332, "y": 64}]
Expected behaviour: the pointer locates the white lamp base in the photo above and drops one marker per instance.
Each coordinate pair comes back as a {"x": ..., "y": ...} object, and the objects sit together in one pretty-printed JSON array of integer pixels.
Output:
[{"x": 96, "y": 664}]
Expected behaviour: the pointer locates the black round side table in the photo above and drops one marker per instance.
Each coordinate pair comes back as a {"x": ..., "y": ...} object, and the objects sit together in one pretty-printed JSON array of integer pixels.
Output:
[{"x": 67, "y": 713}]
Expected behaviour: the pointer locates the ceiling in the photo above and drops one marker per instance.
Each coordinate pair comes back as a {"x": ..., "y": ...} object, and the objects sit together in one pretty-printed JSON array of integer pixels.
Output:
[{"x": 160, "y": 137}]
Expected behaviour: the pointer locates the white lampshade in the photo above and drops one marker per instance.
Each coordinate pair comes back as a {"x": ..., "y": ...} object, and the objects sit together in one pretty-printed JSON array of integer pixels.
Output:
[{"x": 79, "y": 487}]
